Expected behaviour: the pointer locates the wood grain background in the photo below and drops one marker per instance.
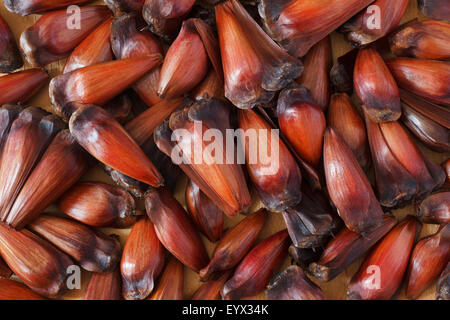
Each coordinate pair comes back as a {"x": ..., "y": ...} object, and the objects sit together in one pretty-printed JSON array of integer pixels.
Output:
[{"x": 335, "y": 289}]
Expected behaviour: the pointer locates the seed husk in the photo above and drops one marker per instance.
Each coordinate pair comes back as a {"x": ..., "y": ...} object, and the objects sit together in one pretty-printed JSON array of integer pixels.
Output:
[
  {"x": 315, "y": 76},
  {"x": 426, "y": 78},
  {"x": 253, "y": 273},
  {"x": 360, "y": 30},
  {"x": 129, "y": 41},
  {"x": 99, "y": 204},
  {"x": 346, "y": 248},
  {"x": 382, "y": 271},
  {"x": 113, "y": 146},
  {"x": 223, "y": 183},
  {"x": 96, "y": 48},
  {"x": 210, "y": 290},
  {"x": 206, "y": 215},
  {"x": 104, "y": 286},
  {"x": 175, "y": 229},
  {"x": 278, "y": 181},
  {"x": 50, "y": 38},
  {"x": 376, "y": 87},
  {"x": 435, "y": 208},
  {"x": 302, "y": 122},
  {"x": 26, "y": 7},
  {"x": 29, "y": 136},
  {"x": 293, "y": 284},
  {"x": 93, "y": 250},
  {"x": 298, "y": 25},
  {"x": 428, "y": 259},
  {"x": 422, "y": 39},
  {"x": 142, "y": 261},
  {"x": 41, "y": 266},
  {"x": 13, "y": 290},
  {"x": 61, "y": 165},
  {"x": 10, "y": 58},
  {"x": 346, "y": 120},
  {"x": 254, "y": 65},
  {"x": 20, "y": 86},
  {"x": 97, "y": 84},
  {"x": 348, "y": 187},
  {"x": 170, "y": 284}
]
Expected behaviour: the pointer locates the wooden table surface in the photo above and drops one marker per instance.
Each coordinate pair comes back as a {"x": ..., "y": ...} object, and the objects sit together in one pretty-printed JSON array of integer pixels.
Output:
[{"x": 335, "y": 289}]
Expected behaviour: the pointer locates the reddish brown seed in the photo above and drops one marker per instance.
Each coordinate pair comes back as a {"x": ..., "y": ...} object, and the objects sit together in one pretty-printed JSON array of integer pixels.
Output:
[
  {"x": 346, "y": 120},
  {"x": 104, "y": 138},
  {"x": 429, "y": 122},
  {"x": 174, "y": 229},
  {"x": 120, "y": 6},
  {"x": 129, "y": 41},
  {"x": 164, "y": 17},
  {"x": 104, "y": 286},
  {"x": 422, "y": 39},
  {"x": 99, "y": 205},
  {"x": 62, "y": 164},
  {"x": 57, "y": 33},
  {"x": 443, "y": 285},
  {"x": 29, "y": 136},
  {"x": 428, "y": 260},
  {"x": 435, "y": 208},
  {"x": 93, "y": 250},
  {"x": 13, "y": 290},
  {"x": 346, "y": 247},
  {"x": 97, "y": 84},
  {"x": 255, "y": 270},
  {"x": 361, "y": 29},
  {"x": 426, "y": 78},
  {"x": 96, "y": 48},
  {"x": 302, "y": 122},
  {"x": 410, "y": 157},
  {"x": 348, "y": 187},
  {"x": 394, "y": 183},
  {"x": 185, "y": 64},
  {"x": 40, "y": 265},
  {"x": 293, "y": 284},
  {"x": 211, "y": 290},
  {"x": 235, "y": 244},
  {"x": 22, "y": 85},
  {"x": 26, "y": 7},
  {"x": 206, "y": 215},
  {"x": 298, "y": 25},
  {"x": 382, "y": 271},
  {"x": 170, "y": 284},
  {"x": 222, "y": 182},
  {"x": 254, "y": 65},
  {"x": 312, "y": 221},
  {"x": 315, "y": 76},
  {"x": 376, "y": 87},
  {"x": 142, "y": 261},
  {"x": 274, "y": 173},
  {"x": 10, "y": 58},
  {"x": 163, "y": 163},
  {"x": 436, "y": 9}
]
